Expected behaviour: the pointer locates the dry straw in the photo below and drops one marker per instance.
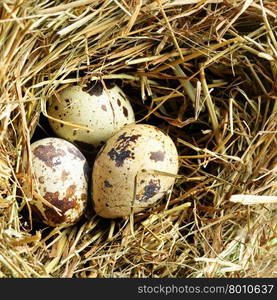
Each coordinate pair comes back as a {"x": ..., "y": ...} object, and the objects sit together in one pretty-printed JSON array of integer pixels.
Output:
[{"x": 203, "y": 70}]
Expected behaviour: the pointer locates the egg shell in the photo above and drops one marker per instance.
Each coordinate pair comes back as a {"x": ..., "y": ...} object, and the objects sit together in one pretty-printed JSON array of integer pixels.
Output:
[
  {"x": 103, "y": 110},
  {"x": 60, "y": 176},
  {"x": 129, "y": 155}
]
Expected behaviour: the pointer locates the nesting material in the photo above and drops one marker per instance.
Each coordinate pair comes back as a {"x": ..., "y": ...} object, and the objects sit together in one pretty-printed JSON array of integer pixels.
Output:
[{"x": 202, "y": 71}]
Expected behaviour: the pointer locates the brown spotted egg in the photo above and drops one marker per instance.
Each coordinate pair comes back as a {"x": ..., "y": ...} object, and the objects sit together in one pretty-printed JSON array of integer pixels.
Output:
[
  {"x": 131, "y": 172},
  {"x": 60, "y": 175},
  {"x": 102, "y": 110}
]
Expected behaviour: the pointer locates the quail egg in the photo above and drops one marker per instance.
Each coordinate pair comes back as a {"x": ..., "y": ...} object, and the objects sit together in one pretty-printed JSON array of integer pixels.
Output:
[
  {"x": 60, "y": 176},
  {"x": 134, "y": 169},
  {"x": 102, "y": 110}
]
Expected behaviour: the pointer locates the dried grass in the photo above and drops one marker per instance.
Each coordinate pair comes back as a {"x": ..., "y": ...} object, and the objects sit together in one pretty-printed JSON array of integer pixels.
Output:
[{"x": 206, "y": 72}]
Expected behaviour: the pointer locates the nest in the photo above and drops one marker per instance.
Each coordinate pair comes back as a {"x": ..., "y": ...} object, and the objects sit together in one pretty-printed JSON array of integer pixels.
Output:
[{"x": 205, "y": 71}]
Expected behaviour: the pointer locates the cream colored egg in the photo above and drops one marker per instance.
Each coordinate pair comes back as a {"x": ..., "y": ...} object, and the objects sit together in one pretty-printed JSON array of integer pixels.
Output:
[
  {"x": 103, "y": 110},
  {"x": 60, "y": 173},
  {"x": 123, "y": 180}
]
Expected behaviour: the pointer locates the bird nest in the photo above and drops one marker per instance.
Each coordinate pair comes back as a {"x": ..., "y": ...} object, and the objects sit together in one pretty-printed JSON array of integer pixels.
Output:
[{"x": 204, "y": 71}]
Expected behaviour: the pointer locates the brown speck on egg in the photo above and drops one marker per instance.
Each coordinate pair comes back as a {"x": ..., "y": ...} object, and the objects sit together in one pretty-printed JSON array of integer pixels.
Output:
[
  {"x": 120, "y": 152},
  {"x": 70, "y": 191},
  {"x": 62, "y": 204},
  {"x": 64, "y": 175},
  {"x": 122, "y": 95},
  {"x": 157, "y": 156},
  {"x": 119, "y": 157},
  {"x": 125, "y": 111},
  {"x": 49, "y": 154},
  {"x": 150, "y": 190},
  {"x": 128, "y": 138},
  {"x": 107, "y": 184},
  {"x": 104, "y": 107},
  {"x": 41, "y": 179}
]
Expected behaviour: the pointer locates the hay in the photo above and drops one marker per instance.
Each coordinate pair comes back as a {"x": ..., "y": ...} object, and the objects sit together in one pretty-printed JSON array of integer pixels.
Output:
[{"x": 204, "y": 71}]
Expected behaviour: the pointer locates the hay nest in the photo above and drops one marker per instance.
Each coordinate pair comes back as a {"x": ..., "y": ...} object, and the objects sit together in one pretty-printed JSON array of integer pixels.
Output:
[{"x": 203, "y": 70}]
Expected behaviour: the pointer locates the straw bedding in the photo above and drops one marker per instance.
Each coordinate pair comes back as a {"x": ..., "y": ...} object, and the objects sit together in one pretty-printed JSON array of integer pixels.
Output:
[{"x": 203, "y": 71}]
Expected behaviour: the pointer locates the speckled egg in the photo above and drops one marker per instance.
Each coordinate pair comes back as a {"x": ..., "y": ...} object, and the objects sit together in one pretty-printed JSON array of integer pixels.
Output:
[
  {"x": 127, "y": 173},
  {"x": 103, "y": 110},
  {"x": 60, "y": 176}
]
